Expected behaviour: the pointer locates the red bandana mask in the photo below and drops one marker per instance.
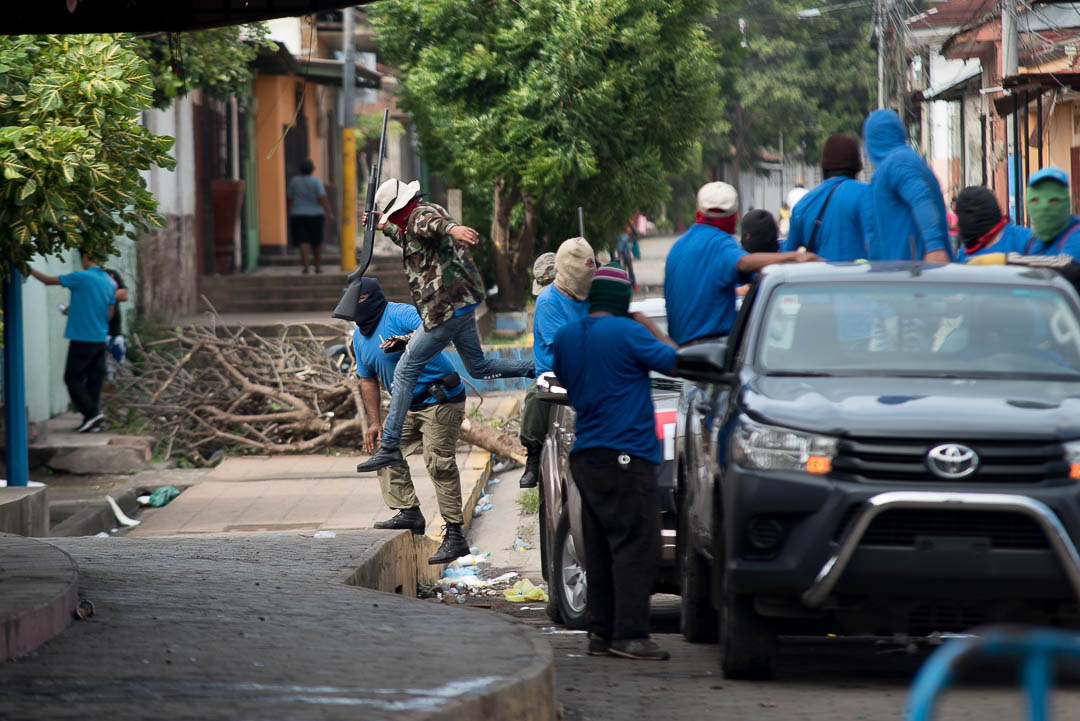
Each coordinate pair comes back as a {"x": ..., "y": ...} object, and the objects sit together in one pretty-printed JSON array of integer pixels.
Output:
[{"x": 726, "y": 224}]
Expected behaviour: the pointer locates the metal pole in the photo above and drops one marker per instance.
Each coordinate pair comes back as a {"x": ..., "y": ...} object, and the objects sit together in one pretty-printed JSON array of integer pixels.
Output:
[
  {"x": 234, "y": 123},
  {"x": 1016, "y": 160},
  {"x": 16, "y": 458},
  {"x": 348, "y": 145},
  {"x": 1025, "y": 140},
  {"x": 982, "y": 130},
  {"x": 1039, "y": 128},
  {"x": 880, "y": 65}
]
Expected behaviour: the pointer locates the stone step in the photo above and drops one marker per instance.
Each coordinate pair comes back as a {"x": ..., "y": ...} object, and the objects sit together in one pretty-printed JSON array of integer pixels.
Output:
[{"x": 41, "y": 589}]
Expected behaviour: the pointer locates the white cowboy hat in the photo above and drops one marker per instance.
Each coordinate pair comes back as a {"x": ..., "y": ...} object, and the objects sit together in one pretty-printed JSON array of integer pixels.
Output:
[{"x": 393, "y": 195}]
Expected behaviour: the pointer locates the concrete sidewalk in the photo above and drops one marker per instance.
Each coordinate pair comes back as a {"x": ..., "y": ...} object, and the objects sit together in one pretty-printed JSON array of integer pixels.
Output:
[{"x": 266, "y": 626}]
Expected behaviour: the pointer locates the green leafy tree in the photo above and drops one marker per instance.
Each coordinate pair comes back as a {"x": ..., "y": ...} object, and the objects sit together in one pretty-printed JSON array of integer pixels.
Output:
[
  {"x": 785, "y": 74},
  {"x": 552, "y": 104},
  {"x": 218, "y": 61},
  {"x": 71, "y": 146}
]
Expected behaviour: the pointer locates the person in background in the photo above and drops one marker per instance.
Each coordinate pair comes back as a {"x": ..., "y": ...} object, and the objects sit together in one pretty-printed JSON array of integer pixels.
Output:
[
  {"x": 115, "y": 343},
  {"x": 1049, "y": 206},
  {"x": 432, "y": 423},
  {"x": 833, "y": 219},
  {"x": 705, "y": 266},
  {"x": 562, "y": 302},
  {"x": 93, "y": 303},
  {"x": 907, "y": 208},
  {"x": 759, "y": 232},
  {"x": 604, "y": 360},
  {"x": 308, "y": 209},
  {"x": 446, "y": 289},
  {"x": 543, "y": 272},
  {"x": 624, "y": 250},
  {"x": 982, "y": 228}
]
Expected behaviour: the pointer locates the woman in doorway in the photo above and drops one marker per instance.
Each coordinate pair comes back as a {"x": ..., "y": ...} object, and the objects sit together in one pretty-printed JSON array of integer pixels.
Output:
[{"x": 308, "y": 207}]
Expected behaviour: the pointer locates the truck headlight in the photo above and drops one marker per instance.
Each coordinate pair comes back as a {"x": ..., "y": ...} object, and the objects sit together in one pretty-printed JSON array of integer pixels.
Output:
[
  {"x": 1072, "y": 457},
  {"x": 768, "y": 448}
]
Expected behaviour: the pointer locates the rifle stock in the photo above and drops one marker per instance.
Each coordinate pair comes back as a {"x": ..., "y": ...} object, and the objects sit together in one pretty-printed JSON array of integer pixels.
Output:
[{"x": 346, "y": 307}]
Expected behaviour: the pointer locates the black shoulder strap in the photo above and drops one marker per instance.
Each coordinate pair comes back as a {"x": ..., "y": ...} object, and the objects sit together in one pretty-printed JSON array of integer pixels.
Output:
[{"x": 817, "y": 222}]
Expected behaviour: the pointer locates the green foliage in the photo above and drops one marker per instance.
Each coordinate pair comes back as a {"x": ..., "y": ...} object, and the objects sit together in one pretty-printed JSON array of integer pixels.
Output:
[
  {"x": 529, "y": 501},
  {"x": 218, "y": 61},
  {"x": 804, "y": 78},
  {"x": 570, "y": 102},
  {"x": 71, "y": 146}
]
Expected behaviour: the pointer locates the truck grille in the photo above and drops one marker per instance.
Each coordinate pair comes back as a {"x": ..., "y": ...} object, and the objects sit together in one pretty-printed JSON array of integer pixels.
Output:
[
  {"x": 891, "y": 459},
  {"x": 901, "y": 526}
]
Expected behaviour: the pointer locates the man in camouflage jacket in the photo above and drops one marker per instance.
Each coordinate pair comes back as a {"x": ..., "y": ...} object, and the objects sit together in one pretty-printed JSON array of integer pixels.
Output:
[{"x": 446, "y": 289}]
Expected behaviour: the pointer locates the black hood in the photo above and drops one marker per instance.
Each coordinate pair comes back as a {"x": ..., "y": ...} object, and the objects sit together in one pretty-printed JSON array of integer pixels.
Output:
[{"x": 918, "y": 407}]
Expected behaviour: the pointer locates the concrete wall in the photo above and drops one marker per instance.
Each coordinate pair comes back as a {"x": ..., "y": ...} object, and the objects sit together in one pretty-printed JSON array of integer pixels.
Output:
[
  {"x": 168, "y": 258},
  {"x": 274, "y": 109},
  {"x": 45, "y": 349}
]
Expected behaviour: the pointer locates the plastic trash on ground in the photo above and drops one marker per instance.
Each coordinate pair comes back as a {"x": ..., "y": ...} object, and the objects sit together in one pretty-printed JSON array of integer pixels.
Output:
[
  {"x": 163, "y": 495},
  {"x": 520, "y": 545},
  {"x": 523, "y": 591},
  {"x": 325, "y": 534},
  {"x": 470, "y": 560}
]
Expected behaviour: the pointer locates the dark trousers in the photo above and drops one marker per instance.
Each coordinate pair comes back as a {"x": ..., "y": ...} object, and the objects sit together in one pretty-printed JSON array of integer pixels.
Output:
[
  {"x": 535, "y": 415},
  {"x": 620, "y": 518},
  {"x": 84, "y": 374}
]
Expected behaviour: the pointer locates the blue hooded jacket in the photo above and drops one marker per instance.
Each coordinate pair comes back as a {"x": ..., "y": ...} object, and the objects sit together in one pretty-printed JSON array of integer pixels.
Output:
[
  {"x": 845, "y": 231},
  {"x": 905, "y": 196}
]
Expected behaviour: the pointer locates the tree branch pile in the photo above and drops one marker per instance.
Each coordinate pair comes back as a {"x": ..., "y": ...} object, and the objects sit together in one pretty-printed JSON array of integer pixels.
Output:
[{"x": 206, "y": 391}]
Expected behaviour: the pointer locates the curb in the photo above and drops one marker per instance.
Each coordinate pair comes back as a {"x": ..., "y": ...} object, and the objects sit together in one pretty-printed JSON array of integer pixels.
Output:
[{"x": 42, "y": 585}]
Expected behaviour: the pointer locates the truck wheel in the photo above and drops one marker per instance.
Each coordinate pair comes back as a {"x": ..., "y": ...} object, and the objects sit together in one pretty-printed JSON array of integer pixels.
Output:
[
  {"x": 552, "y": 607},
  {"x": 542, "y": 530},
  {"x": 748, "y": 643},
  {"x": 568, "y": 581},
  {"x": 698, "y": 619}
]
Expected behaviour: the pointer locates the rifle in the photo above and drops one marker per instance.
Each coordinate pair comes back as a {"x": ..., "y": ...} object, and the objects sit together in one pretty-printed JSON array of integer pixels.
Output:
[{"x": 346, "y": 307}]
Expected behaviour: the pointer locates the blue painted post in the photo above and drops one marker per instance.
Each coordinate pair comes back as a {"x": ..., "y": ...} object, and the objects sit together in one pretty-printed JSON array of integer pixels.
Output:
[{"x": 18, "y": 466}]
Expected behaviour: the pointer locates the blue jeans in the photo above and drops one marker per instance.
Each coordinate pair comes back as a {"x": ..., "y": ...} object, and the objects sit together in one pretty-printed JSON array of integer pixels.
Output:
[{"x": 423, "y": 347}]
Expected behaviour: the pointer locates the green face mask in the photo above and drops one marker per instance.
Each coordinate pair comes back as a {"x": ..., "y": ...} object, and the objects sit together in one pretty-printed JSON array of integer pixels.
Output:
[{"x": 1048, "y": 207}]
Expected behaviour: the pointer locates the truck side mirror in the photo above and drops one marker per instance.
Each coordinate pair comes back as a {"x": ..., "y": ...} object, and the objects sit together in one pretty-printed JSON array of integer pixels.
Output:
[{"x": 703, "y": 362}]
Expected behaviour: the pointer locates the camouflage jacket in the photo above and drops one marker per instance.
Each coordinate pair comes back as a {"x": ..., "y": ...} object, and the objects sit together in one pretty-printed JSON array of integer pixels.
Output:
[{"x": 442, "y": 275}]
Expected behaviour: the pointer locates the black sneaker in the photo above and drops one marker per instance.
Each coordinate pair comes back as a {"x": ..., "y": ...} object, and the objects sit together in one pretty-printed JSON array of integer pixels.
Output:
[
  {"x": 640, "y": 649},
  {"x": 453, "y": 547},
  {"x": 381, "y": 459},
  {"x": 598, "y": 645},
  {"x": 531, "y": 477},
  {"x": 90, "y": 424},
  {"x": 410, "y": 518}
]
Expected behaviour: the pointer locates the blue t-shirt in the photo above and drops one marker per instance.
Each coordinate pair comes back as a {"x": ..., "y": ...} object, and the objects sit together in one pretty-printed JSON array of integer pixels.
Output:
[
  {"x": 304, "y": 191},
  {"x": 699, "y": 283},
  {"x": 1013, "y": 239},
  {"x": 1066, "y": 242},
  {"x": 554, "y": 309},
  {"x": 92, "y": 292},
  {"x": 372, "y": 362},
  {"x": 845, "y": 227},
  {"x": 604, "y": 363}
]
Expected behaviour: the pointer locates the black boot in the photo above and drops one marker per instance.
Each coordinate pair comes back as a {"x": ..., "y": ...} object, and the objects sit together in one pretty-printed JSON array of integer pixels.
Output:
[
  {"x": 453, "y": 547},
  {"x": 410, "y": 518},
  {"x": 531, "y": 477},
  {"x": 381, "y": 459}
]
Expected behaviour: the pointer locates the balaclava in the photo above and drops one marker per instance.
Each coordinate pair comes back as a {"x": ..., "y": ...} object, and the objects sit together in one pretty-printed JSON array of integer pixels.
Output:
[
  {"x": 369, "y": 312},
  {"x": 574, "y": 267},
  {"x": 1048, "y": 207},
  {"x": 610, "y": 291},
  {"x": 840, "y": 155},
  {"x": 977, "y": 213}
]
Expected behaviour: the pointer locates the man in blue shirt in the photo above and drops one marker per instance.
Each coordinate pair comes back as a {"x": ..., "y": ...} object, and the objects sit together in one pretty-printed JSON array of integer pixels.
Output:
[
  {"x": 983, "y": 229},
  {"x": 705, "y": 266},
  {"x": 907, "y": 208},
  {"x": 93, "y": 302},
  {"x": 833, "y": 219},
  {"x": 562, "y": 302},
  {"x": 432, "y": 422},
  {"x": 604, "y": 361}
]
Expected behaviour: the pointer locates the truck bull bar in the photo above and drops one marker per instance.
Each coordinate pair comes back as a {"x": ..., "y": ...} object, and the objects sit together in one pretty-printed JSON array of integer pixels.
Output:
[{"x": 834, "y": 568}]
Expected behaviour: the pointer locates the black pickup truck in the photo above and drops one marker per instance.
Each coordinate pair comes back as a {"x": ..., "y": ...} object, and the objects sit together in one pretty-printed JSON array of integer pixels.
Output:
[{"x": 880, "y": 449}]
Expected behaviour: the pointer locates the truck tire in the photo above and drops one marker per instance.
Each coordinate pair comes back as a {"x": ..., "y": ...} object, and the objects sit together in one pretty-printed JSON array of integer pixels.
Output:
[
  {"x": 748, "y": 642},
  {"x": 568, "y": 578},
  {"x": 698, "y": 618}
]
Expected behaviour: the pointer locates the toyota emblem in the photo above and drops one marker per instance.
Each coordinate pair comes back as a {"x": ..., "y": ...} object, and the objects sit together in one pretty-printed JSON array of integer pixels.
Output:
[{"x": 952, "y": 461}]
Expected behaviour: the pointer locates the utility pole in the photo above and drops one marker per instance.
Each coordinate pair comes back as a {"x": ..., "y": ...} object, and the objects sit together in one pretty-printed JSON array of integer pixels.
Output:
[
  {"x": 348, "y": 145},
  {"x": 1009, "y": 66},
  {"x": 879, "y": 33}
]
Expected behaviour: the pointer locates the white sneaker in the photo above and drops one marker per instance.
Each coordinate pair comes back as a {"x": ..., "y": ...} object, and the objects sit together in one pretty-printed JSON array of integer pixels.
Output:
[{"x": 90, "y": 423}]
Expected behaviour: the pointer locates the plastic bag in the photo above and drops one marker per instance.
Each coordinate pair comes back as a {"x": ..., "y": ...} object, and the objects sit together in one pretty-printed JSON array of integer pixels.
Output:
[
  {"x": 523, "y": 591},
  {"x": 163, "y": 495}
]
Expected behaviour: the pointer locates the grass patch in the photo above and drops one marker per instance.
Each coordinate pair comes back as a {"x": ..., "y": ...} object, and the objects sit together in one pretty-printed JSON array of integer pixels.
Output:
[{"x": 529, "y": 501}]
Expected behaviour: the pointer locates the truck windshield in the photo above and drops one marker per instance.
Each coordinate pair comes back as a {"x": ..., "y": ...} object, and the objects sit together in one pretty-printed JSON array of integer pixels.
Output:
[{"x": 920, "y": 329}]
